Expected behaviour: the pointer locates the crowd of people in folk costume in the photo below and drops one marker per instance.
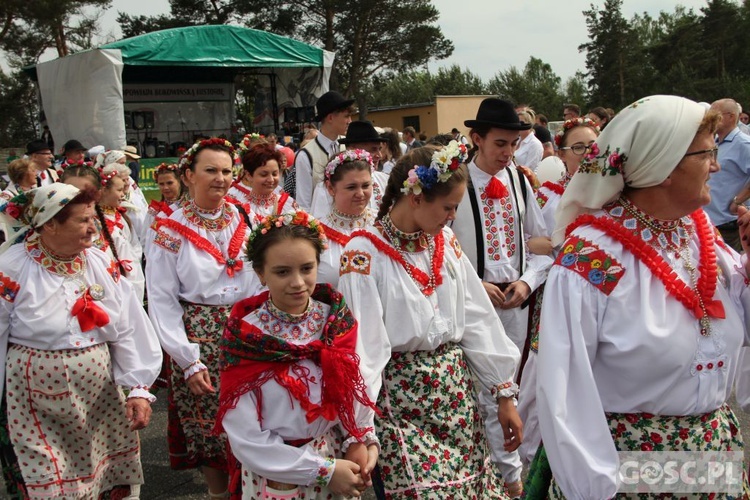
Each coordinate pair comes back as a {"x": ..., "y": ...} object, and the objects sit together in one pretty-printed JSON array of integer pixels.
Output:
[{"x": 427, "y": 322}]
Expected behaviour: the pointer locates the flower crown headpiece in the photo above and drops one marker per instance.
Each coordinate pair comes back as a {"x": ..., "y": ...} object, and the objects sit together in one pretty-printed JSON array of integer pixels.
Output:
[
  {"x": 166, "y": 167},
  {"x": 247, "y": 142},
  {"x": 107, "y": 177},
  {"x": 187, "y": 159},
  {"x": 297, "y": 218},
  {"x": 571, "y": 123},
  {"x": 444, "y": 162},
  {"x": 346, "y": 157}
]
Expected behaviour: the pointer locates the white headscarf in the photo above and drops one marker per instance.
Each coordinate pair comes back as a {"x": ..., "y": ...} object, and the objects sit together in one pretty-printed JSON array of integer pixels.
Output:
[
  {"x": 639, "y": 148},
  {"x": 108, "y": 158},
  {"x": 32, "y": 209}
]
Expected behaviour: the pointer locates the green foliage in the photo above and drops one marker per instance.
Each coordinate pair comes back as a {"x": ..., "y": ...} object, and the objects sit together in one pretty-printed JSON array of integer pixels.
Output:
[
  {"x": 18, "y": 105},
  {"x": 536, "y": 86},
  {"x": 413, "y": 87}
]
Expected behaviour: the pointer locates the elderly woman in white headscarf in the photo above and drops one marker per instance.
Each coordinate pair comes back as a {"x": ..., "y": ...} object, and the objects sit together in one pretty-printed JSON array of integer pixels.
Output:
[
  {"x": 72, "y": 332},
  {"x": 645, "y": 309}
]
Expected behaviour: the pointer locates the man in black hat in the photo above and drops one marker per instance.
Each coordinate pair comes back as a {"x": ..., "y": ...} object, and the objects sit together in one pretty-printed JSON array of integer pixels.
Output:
[
  {"x": 334, "y": 114},
  {"x": 493, "y": 223},
  {"x": 73, "y": 152},
  {"x": 359, "y": 135},
  {"x": 41, "y": 157}
]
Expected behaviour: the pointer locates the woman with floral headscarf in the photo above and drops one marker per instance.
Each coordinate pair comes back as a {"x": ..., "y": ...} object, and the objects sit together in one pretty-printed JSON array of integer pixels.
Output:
[
  {"x": 427, "y": 333},
  {"x": 197, "y": 270},
  {"x": 644, "y": 311},
  {"x": 71, "y": 332}
]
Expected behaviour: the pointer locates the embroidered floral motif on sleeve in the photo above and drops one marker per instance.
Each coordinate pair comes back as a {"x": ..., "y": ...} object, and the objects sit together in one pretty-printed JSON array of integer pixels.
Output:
[
  {"x": 541, "y": 198},
  {"x": 114, "y": 270},
  {"x": 10, "y": 288},
  {"x": 591, "y": 263},
  {"x": 355, "y": 261},
  {"x": 325, "y": 472},
  {"x": 456, "y": 246},
  {"x": 504, "y": 390},
  {"x": 167, "y": 242}
]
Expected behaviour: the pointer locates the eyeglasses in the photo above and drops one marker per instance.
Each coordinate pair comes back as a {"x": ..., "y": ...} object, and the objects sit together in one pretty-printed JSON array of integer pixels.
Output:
[
  {"x": 577, "y": 149},
  {"x": 712, "y": 153}
]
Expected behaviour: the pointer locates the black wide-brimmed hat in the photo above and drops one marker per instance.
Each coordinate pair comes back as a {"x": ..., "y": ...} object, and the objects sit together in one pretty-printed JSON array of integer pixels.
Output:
[
  {"x": 360, "y": 132},
  {"x": 330, "y": 102},
  {"x": 497, "y": 113},
  {"x": 36, "y": 146},
  {"x": 73, "y": 145}
]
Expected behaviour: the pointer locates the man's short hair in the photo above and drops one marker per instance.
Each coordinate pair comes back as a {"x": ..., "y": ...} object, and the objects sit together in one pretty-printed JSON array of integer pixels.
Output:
[{"x": 575, "y": 108}]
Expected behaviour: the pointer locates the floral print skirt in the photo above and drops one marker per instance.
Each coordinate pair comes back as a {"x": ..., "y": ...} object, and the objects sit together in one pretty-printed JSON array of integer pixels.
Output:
[
  {"x": 718, "y": 430},
  {"x": 190, "y": 419},
  {"x": 66, "y": 424},
  {"x": 432, "y": 437}
]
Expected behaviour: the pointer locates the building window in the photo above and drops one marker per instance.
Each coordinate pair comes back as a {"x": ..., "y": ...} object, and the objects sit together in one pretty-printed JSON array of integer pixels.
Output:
[{"x": 412, "y": 121}]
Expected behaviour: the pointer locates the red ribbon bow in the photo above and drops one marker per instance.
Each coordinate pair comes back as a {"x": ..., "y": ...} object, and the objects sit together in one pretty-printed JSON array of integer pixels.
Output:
[
  {"x": 495, "y": 189},
  {"x": 89, "y": 314},
  {"x": 714, "y": 309},
  {"x": 327, "y": 411}
]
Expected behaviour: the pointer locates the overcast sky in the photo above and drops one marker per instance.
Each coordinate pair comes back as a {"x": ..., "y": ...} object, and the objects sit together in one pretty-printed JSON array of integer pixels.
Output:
[{"x": 489, "y": 35}]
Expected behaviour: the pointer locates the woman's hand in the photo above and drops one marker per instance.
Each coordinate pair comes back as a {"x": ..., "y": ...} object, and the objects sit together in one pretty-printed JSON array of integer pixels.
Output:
[
  {"x": 200, "y": 383},
  {"x": 346, "y": 479},
  {"x": 138, "y": 413},
  {"x": 511, "y": 423}
]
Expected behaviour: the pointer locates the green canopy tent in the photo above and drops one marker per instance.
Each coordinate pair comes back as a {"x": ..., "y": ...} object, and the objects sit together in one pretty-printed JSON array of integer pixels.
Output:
[{"x": 175, "y": 83}]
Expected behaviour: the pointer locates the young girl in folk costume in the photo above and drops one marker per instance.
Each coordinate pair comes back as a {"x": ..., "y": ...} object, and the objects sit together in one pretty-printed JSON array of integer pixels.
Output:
[
  {"x": 348, "y": 179},
  {"x": 574, "y": 142},
  {"x": 116, "y": 232},
  {"x": 173, "y": 192},
  {"x": 197, "y": 270},
  {"x": 427, "y": 332},
  {"x": 257, "y": 187},
  {"x": 290, "y": 375}
]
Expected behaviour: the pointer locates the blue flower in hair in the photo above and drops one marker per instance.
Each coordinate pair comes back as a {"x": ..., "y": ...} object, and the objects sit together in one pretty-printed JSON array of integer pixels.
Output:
[{"x": 427, "y": 176}]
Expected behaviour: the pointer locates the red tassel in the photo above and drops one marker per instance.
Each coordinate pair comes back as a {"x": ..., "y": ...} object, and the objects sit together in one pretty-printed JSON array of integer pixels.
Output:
[
  {"x": 89, "y": 314},
  {"x": 495, "y": 189}
]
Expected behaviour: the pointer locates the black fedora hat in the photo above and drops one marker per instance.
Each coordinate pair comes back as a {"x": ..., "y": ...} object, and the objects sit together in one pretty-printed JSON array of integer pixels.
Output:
[
  {"x": 74, "y": 145},
  {"x": 329, "y": 102},
  {"x": 497, "y": 113},
  {"x": 36, "y": 146},
  {"x": 360, "y": 132}
]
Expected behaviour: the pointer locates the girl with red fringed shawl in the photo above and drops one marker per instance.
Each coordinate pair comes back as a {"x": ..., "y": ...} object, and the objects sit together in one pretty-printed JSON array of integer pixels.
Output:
[{"x": 290, "y": 375}]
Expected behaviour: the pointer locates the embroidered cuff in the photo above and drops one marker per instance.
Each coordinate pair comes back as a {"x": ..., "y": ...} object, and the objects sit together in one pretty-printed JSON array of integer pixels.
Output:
[
  {"x": 325, "y": 471},
  {"x": 369, "y": 438},
  {"x": 194, "y": 367},
  {"x": 141, "y": 391},
  {"x": 504, "y": 390}
]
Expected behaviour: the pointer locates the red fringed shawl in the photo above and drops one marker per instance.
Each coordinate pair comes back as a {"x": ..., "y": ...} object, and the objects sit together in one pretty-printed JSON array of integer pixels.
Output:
[{"x": 249, "y": 358}]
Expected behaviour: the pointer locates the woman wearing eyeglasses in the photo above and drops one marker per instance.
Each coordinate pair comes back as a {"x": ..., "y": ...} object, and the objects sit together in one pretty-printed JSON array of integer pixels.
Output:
[{"x": 644, "y": 311}]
